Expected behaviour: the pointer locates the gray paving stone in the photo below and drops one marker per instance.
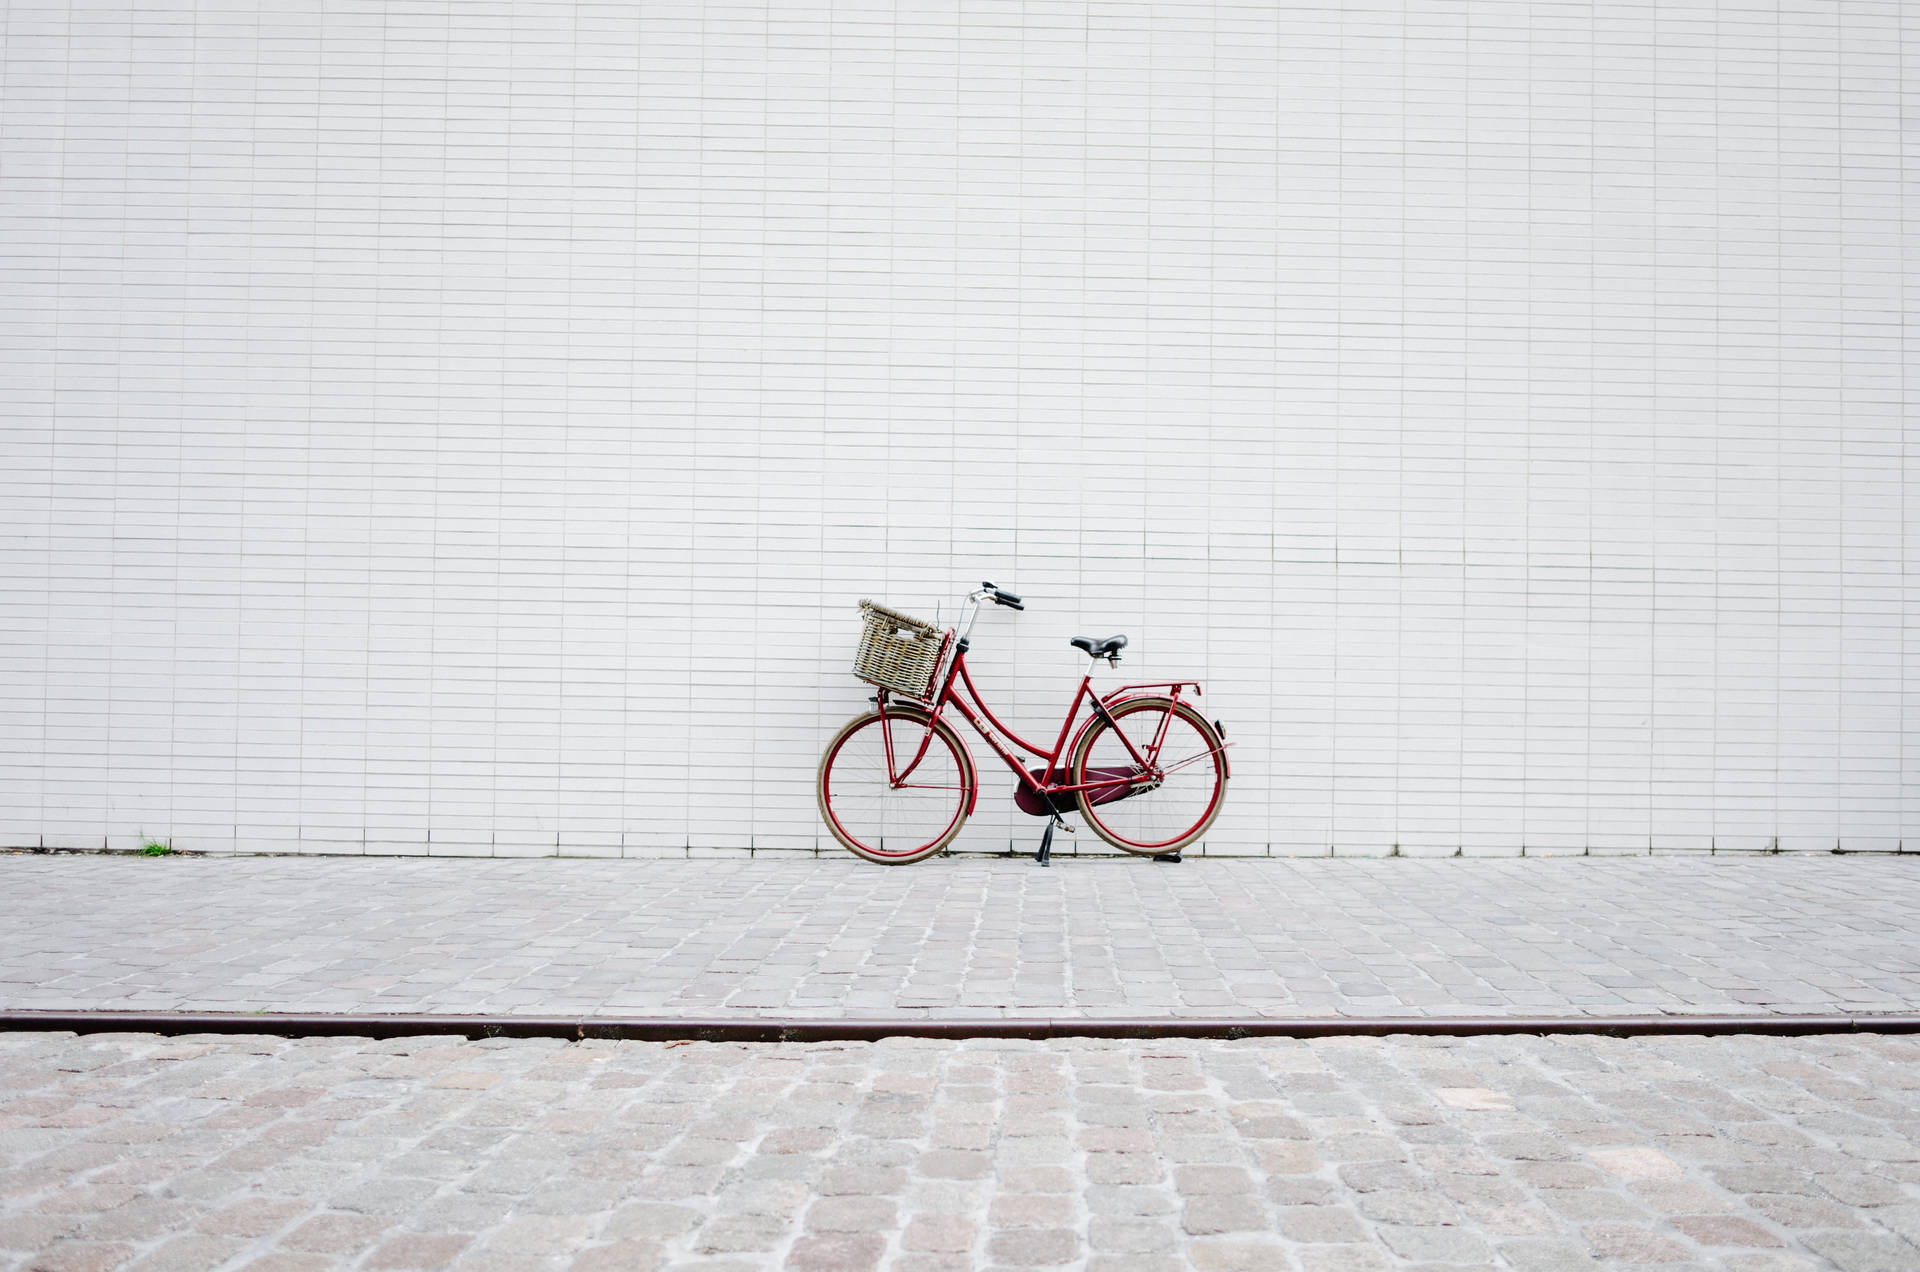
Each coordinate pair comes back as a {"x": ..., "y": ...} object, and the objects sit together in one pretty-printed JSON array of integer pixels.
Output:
[
  {"x": 1864, "y": 1251},
  {"x": 1096, "y": 936},
  {"x": 1747, "y": 1153}
]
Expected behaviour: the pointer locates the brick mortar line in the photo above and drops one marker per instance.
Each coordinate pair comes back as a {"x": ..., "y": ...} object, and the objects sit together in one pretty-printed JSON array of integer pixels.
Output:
[{"x": 803, "y": 1029}]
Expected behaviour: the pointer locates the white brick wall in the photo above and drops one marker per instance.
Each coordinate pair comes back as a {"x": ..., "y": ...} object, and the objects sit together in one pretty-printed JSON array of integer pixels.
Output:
[{"x": 466, "y": 427}]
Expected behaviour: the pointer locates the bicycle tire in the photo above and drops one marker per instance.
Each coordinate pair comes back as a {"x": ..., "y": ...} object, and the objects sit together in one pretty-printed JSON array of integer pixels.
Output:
[
  {"x": 857, "y": 800},
  {"x": 1167, "y": 817}
]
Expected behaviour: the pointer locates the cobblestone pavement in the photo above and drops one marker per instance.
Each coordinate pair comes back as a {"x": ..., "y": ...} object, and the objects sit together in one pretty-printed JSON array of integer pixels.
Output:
[
  {"x": 961, "y": 937},
  {"x": 1540, "y": 1154}
]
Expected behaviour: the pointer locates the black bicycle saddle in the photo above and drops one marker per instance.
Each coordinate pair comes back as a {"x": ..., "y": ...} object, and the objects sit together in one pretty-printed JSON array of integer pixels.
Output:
[{"x": 1100, "y": 648}]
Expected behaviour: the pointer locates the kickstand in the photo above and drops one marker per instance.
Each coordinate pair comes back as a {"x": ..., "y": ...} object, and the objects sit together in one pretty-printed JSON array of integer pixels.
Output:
[
  {"x": 1171, "y": 858},
  {"x": 1045, "y": 855}
]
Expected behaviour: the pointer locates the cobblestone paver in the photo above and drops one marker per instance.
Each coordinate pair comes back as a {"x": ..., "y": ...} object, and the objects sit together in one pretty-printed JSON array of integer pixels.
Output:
[
  {"x": 1538, "y": 1154},
  {"x": 1095, "y": 937}
]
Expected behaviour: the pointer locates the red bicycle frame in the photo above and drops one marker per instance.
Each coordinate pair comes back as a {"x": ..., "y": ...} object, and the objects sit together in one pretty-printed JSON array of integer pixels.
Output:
[{"x": 981, "y": 716}]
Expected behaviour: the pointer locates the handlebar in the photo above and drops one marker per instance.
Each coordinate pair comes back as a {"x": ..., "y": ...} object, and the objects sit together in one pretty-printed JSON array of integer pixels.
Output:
[
  {"x": 1000, "y": 596},
  {"x": 987, "y": 591}
]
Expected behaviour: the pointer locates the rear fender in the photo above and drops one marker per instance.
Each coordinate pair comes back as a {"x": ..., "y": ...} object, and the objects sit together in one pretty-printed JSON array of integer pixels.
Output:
[
  {"x": 1134, "y": 693},
  {"x": 1100, "y": 705}
]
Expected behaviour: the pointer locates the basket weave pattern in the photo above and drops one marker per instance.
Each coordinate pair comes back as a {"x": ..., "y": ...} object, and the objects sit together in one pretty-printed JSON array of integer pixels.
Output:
[{"x": 896, "y": 651}]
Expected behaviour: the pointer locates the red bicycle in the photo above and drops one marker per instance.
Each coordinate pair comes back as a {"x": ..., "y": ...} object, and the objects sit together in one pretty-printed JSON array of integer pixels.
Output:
[{"x": 1145, "y": 769}]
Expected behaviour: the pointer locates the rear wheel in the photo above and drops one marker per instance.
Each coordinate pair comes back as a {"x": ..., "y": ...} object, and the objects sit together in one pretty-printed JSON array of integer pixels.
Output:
[
  {"x": 886, "y": 822},
  {"x": 1168, "y": 804}
]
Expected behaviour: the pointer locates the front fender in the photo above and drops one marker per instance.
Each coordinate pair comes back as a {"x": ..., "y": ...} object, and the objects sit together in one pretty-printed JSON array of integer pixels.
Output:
[{"x": 920, "y": 715}]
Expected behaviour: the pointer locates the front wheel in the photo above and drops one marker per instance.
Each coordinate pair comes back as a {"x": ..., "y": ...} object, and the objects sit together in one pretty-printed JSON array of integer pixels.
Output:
[
  {"x": 1169, "y": 803},
  {"x": 892, "y": 822}
]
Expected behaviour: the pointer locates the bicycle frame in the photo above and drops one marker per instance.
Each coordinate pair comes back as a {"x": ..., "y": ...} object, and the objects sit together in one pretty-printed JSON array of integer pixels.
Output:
[{"x": 958, "y": 691}]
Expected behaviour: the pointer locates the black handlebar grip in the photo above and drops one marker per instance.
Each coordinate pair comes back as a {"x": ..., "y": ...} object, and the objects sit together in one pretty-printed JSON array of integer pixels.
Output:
[{"x": 1009, "y": 600}]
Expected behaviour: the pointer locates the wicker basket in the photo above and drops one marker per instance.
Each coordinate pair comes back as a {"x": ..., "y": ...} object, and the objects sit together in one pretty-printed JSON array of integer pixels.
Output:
[{"x": 896, "y": 651}]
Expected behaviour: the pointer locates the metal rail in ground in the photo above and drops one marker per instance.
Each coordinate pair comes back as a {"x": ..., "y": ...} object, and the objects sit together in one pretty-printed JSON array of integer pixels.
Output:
[{"x": 804, "y": 1029}]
